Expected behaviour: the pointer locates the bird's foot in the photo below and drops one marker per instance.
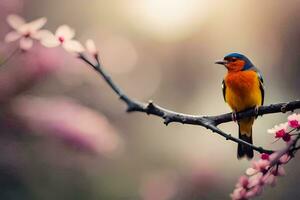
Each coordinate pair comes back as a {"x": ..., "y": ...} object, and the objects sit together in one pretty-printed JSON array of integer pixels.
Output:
[
  {"x": 256, "y": 109},
  {"x": 234, "y": 116}
]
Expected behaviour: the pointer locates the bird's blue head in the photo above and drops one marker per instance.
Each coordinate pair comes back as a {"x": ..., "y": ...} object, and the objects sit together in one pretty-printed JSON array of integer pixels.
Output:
[{"x": 235, "y": 62}]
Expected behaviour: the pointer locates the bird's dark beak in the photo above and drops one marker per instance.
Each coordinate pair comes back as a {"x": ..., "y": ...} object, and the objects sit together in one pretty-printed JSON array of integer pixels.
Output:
[{"x": 221, "y": 62}]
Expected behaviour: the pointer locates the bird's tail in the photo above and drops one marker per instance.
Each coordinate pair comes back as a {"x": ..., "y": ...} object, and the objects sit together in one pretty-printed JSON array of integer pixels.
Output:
[{"x": 245, "y": 133}]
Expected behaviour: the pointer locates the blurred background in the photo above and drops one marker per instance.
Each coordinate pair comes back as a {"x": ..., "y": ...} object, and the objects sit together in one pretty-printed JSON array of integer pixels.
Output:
[{"x": 65, "y": 135}]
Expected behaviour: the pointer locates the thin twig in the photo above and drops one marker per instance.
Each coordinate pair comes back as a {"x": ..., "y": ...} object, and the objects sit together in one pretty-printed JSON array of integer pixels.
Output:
[
  {"x": 11, "y": 55},
  {"x": 209, "y": 122}
]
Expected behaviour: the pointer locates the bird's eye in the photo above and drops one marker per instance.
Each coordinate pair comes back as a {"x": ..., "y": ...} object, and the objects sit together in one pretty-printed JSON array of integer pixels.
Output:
[{"x": 233, "y": 59}]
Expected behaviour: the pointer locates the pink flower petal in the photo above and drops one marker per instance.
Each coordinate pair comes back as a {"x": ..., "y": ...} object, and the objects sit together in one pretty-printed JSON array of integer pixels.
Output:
[
  {"x": 36, "y": 24},
  {"x": 12, "y": 36},
  {"x": 66, "y": 32},
  {"x": 243, "y": 182},
  {"x": 280, "y": 133},
  {"x": 281, "y": 127},
  {"x": 47, "y": 38},
  {"x": 265, "y": 156},
  {"x": 256, "y": 191},
  {"x": 256, "y": 179},
  {"x": 238, "y": 193},
  {"x": 260, "y": 165},
  {"x": 284, "y": 159},
  {"x": 278, "y": 171},
  {"x": 26, "y": 43},
  {"x": 273, "y": 156},
  {"x": 74, "y": 124},
  {"x": 294, "y": 124},
  {"x": 73, "y": 46},
  {"x": 294, "y": 120},
  {"x": 270, "y": 179},
  {"x": 91, "y": 47},
  {"x": 250, "y": 171},
  {"x": 15, "y": 21}
]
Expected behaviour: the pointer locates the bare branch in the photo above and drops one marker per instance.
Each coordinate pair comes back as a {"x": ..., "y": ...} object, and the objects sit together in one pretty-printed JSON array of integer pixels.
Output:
[{"x": 209, "y": 122}]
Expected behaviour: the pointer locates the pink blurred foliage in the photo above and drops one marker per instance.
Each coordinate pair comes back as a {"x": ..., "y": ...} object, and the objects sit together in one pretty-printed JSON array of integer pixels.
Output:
[
  {"x": 9, "y": 6},
  {"x": 65, "y": 119},
  {"x": 198, "y": 181},
  {"x": 194, "y": 182},
  {"x": 159, "y": 186},
  {"x": 26, "y": 69},
  {"x": 43, "y": 58}
]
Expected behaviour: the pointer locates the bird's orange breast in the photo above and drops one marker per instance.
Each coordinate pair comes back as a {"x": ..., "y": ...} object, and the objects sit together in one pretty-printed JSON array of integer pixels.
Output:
[{"x": 242, "y": 90}]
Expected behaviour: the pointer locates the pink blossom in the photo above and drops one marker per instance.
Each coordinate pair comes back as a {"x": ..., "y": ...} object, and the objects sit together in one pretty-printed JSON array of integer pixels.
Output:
[
  {"x": 278, "y": 170},
  {"x": 266, "y": 170},
  {"x": 26, "y": 32},
  {"x": 255, "y": 191},
  {"x": 294, "y": 120},
  {"x": 91, "y": 47},
  {"x": 256, "y": 179},
  {"x": 280, "y": 131},
  {"x": 248, "y": 187},
  {"x": 243, "y": 182},
  {"x": 265, "y": 156},
  {"x": 238, "y": 193},
  {"x": 63, "y": 36},
  {"x": 74, "y": 124},
  {"x": 258, "y": 166},
  {"x": 260, "y": 174},
  {"x": 270, "y": 179},
  {"x": 284, "y": 159}
]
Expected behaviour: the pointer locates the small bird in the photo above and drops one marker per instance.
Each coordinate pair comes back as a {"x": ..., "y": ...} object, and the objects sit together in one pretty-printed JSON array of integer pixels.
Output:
[{"x": 242, "y": 89}]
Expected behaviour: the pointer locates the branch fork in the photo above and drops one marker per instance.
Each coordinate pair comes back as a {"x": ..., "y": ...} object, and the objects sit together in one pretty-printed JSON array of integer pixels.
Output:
[{"x": 209, "y": 122}]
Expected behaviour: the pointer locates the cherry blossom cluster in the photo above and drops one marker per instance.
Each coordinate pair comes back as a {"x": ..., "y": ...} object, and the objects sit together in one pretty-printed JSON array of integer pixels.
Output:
[
  {"x": 265, "y": 171},
  {"x": 28, "y": 32},
  {"x": 284, "y": 131}
]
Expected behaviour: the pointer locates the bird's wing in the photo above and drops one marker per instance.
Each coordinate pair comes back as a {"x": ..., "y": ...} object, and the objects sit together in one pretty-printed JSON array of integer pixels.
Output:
[
  {"x": 261, "y": 84},
  {"x": 261, "y": 87},
  {"x": 224, "y": 90}
]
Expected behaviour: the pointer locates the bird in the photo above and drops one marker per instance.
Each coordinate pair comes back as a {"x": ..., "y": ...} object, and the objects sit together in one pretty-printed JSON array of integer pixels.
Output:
[{"x": 243, "y": 88}]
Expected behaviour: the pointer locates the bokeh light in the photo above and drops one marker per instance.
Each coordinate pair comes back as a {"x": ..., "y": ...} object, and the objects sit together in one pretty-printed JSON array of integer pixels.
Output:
[
  {"x": 170, "y": 19},
  {"x": 121, "y": 48}
]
